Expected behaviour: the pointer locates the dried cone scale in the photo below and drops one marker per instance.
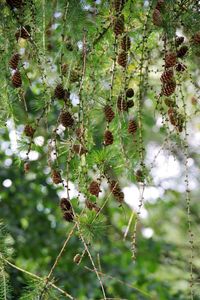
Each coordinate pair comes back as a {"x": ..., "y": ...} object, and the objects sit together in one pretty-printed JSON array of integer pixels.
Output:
[
  {"x": 108, "y": 138},
  {"x": 66, "y": 208},
  {"x": 122, "y": 59},
  {"x": 56, "y": 177},
  {"x": 119, "y": 25},
  {"x": 59, "y": 92},
  {"x": 13, "y": 63},
  {"x": 132, "y": 127},
  {"x": 94, "y": 188},
  {"x": 109, "y": 113},
  {"x": 16, "y": 79},
  {"x": 66, "y": 119}
]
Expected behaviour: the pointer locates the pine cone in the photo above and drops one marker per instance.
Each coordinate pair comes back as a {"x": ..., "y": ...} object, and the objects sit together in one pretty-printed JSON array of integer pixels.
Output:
[
  {"x": 15, "y": 3},
  {"x": 122, "y": 104},
  {"x": 94, "y": 188},
  {"x": 179, "y": 40},
  {"x": 108, "y": 138},
  {"x": 169, "y": 88},
  {"x": 122, "y": 59},
  {"x": 66, "y": 119},
  {"x": 66, "y": 208},
  {"x": 56, "y": 177},
  {"x": 130, "y": 103},
  {"x": 116, "y": 191},
  {"x": 23, "y": 32},
  {"x": 182, "y": 51},
  {"x": 59, "y": 92},
  {"x": 196, "y": 38},
  {"x": 92, "y": 206},
  {"x": 157, "y": 17},
  {"x": 126, "y": 43},
  {"x": 167, "y": 76},
  {"x": 180, "y": 67},
  {"x": 132, "y": 127},
  {"x": 129, "y": 93},
  {"x": 64, "y": 69},
  {"x": 160, "y": 4},
  {"x": 13, "y": 63},
  {"x": 139, "y": 176},
  {"x": 16, "y": 79},
  {"x": 172, "y": 113},
  {"x": 26, "y": 167},
  {"x": 170, "y": 59},
  {"x": 119, "y": 25},
  {"x": 109, "y": 113},
  {"x": 118, "y": 5},
  {"x": 29, "y": 130},
  {"x": 79, "y": 149}
]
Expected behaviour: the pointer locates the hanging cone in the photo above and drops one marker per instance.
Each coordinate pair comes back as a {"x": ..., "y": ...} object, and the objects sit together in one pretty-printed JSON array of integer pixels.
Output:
[
  {"x": 132, "y": 127},
  {"x": 157, "y": 18},
  {"x": 29, "y": 130},
  {"x": 119, "y": 25},
  {"x": 23, "y": 32},
  {"x": 121, "y": 104},
  {"x": 15, "y": 3},
  {"x": 167, "y": 76},
  {"x": 109, "y": 113},
  {"x": 180, "y": 67},
  {"x": 169, "y": 88},
  {"x": 170, "y": 59},
  {"x": 179, "y": 40},
  {"x": 66, "y": 119},
  {"x": 196, "y": 38},
  {"x": 116, "y": 191},
  {"x": 59, "y": 91},
  {"x": 94, "y": 188},
  {"x": 160, "y": 4},
  {"x": 66, "y": 208},
  {"x": 182, "y": 51},
  {"x": 79, "y": 149},
  {"x": 92, "y": 206},
  {"x": 122, "y": 59},
  {"x": 126, "y": 43},
  {"x": 139, "y": 176},
  {"x": 108, "y": 138},
  {"x": 16, "y": 79},
  {"x": 130, "y": 103},
  {"x": 118, "y": 5},
  {"x": 129, "y": 93},
  {"x": 13, "y": 63},
  {"x": 56, "y": 177}
]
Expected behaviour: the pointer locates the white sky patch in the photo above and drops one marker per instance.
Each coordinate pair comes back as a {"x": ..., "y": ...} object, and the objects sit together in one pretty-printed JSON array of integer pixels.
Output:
[
  {"x": 57, "y": 14},
  {"x": 8, "y": 162},
  {"x": 39, "y": 140},
  {"x": 33, "y": 155},
  {"x": 7, "y": 183},
  {"x": 147, "y": 232},
  {"x": 74, "y": 98},
  {"x": 72, "y": 191}
]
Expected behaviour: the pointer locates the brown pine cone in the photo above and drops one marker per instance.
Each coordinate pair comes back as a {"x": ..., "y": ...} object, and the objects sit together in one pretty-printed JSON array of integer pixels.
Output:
[
  {"x": 92, "y": 206},
  {"x": 179, "y": 40},
  {"x": 29, "y": 130},
  {"x": 66, "y": 119},
  {"x": 126, "y": 43},
  {"x": 169, "y": 88},
  {"x": 108, "y": 138},
  {"x": 79, "y": 149},
  {"x": 16, "y": 79},
  {"x": 15, "y": 3},
  {"x": 122, "y": 59},
  {"x": 139, "y": 176},
  {"x": 64, "y": 69},
  {"x": 59, "y": 91},
  {"x": 170, "y": 59},
  {"x": 94, "y": 188},
  {"x": 180, "y": 67},
  {"x": 167, "y": 76},
  {"x": 122, "y": 104},
  {"x": 23, "y": 32},
  {"x": 66, "y": 208},
  {"x": 130, "y": 103},
  {"x": 56, "y": 177},
  {"x": 157, "y": 17},
  {"x": 129, "y": 93},
  {"x": 196, "y": 38},
  {"x": 132, "y": 127},
  {"x": 116, "y": 191},
  {"x": 119, "y": 25},
  {"x": 13, "y": 63},
  {"x": 172, "y": 113},
  {"x": 182, "y": 51},
  {"x": 160, "y": 4},
  {"x": 26, "y": 167},
  {"x": 109, "y": 113},
  {"x": 118, "y": 5}
]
